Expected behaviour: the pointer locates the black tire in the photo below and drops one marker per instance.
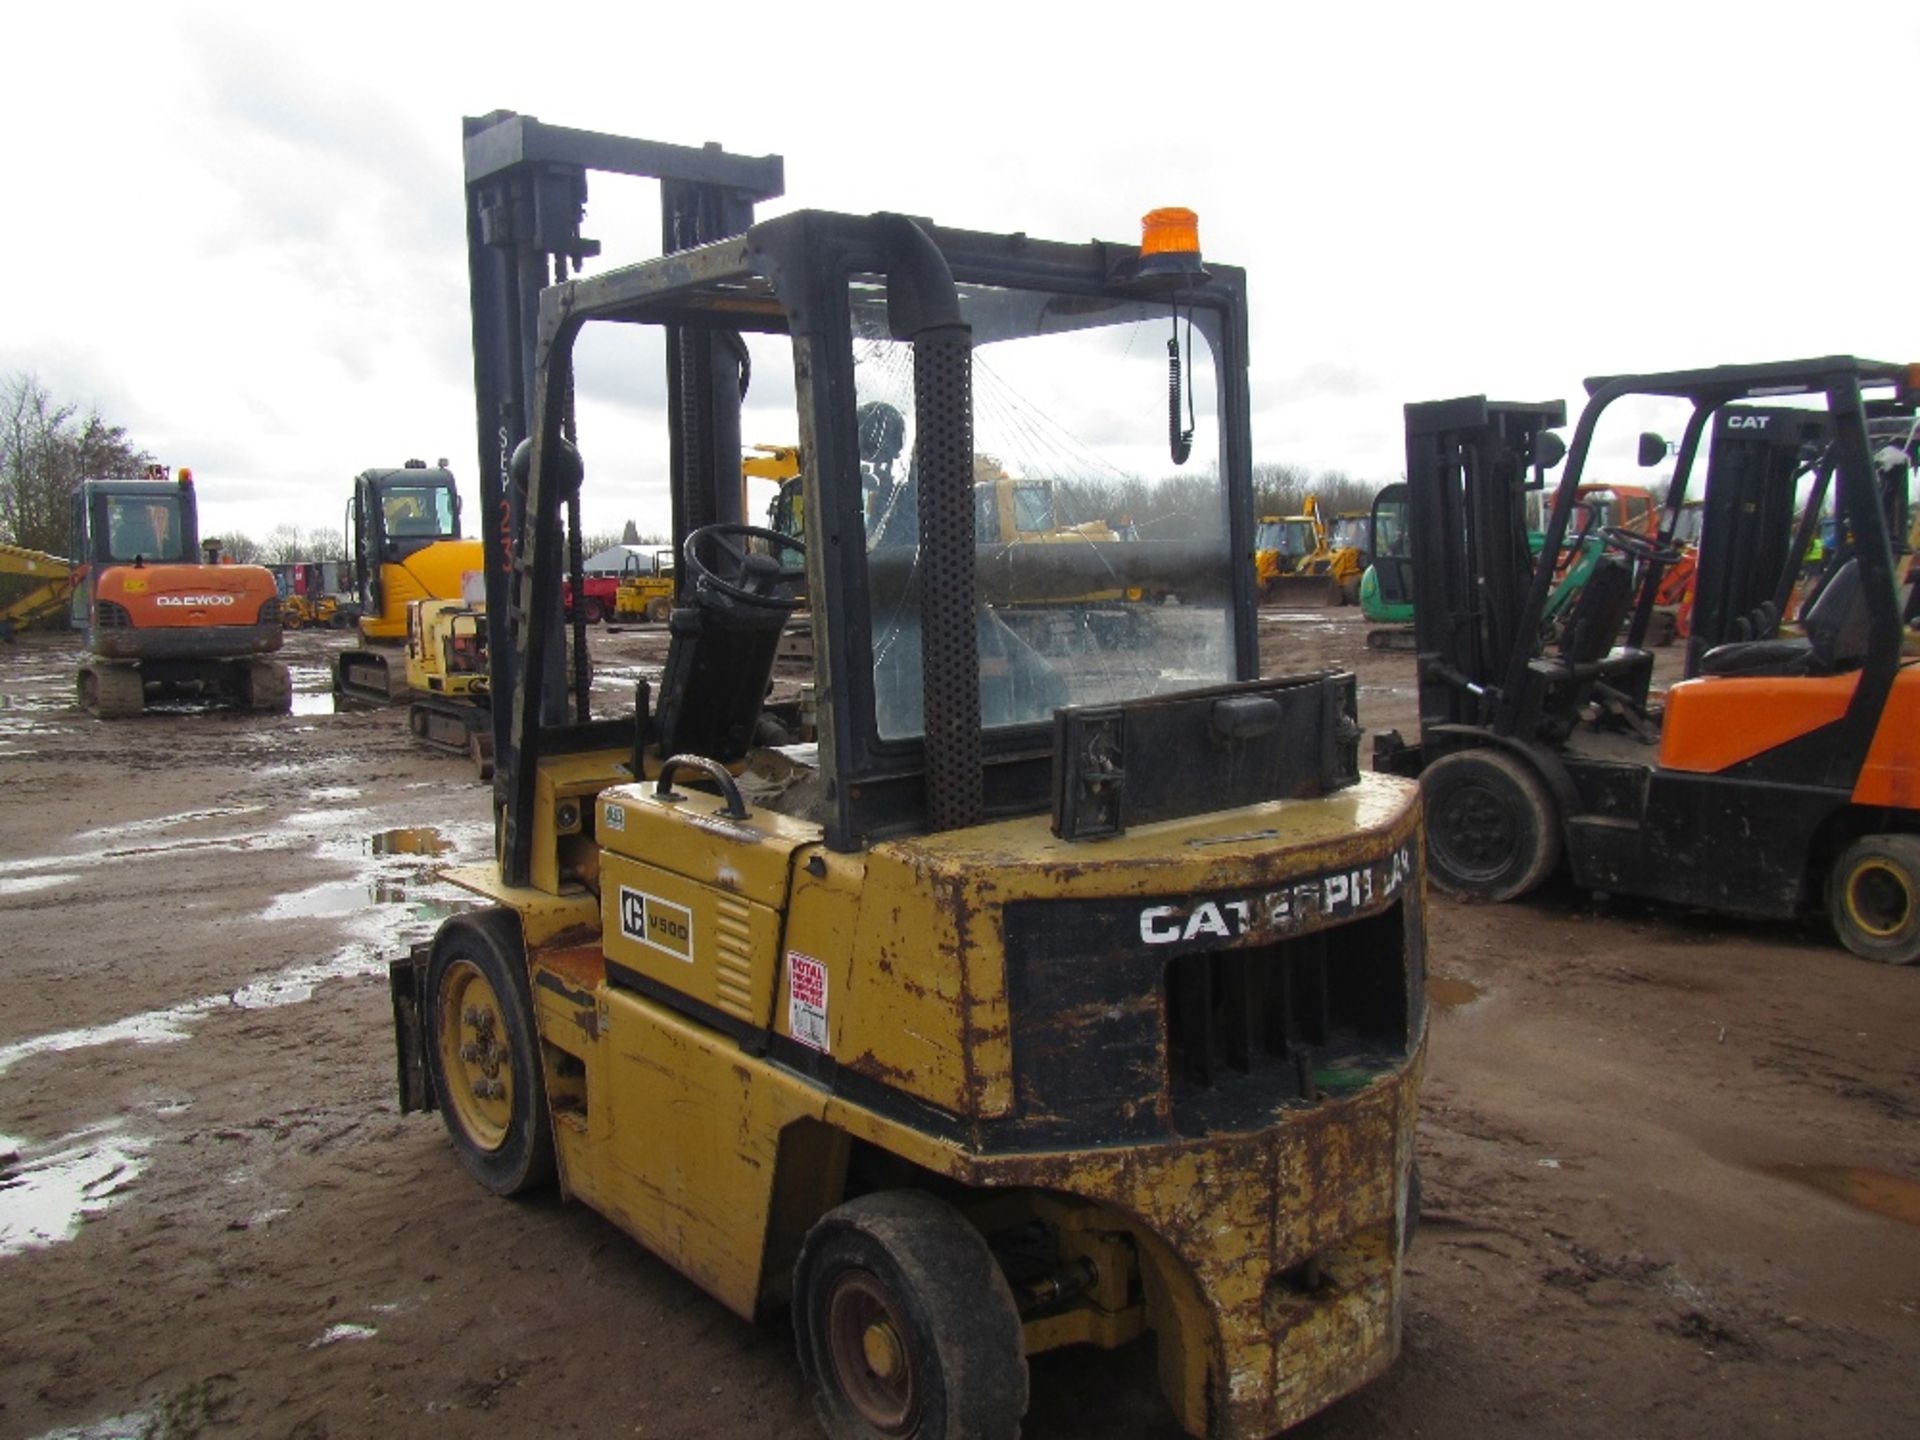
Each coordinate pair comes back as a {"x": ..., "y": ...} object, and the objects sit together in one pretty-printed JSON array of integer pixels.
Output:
[
  {"x": 900, "y": 1280},
  {"x": 659, "y": 609},
  {"x": 1873, "y": 898},
  {"x": 504, "y": 1140},
  {"x": 1492, "y": 832},
  {"x": 594, "y": 617}
]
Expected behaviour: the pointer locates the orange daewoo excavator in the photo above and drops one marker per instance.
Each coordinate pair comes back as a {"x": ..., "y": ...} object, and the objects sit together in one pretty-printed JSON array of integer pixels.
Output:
[{"x": 159, "y": 622}]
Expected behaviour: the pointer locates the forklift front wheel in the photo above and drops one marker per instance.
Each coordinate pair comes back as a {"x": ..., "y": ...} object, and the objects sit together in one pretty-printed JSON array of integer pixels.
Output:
[
  {"x": 484, "y": 1056},
  {"x": 1491, "y": 829},
  {"x": 905, "y": 1324},
  {"x": 1873, "y": 897}
]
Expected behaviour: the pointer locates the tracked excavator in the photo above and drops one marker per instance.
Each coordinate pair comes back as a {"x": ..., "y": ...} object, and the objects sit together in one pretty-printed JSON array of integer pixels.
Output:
[
  {"x": 161, "y": 624},
  {"x": 422, "y": 624},
  {"x": 1041, "y": 1000}
]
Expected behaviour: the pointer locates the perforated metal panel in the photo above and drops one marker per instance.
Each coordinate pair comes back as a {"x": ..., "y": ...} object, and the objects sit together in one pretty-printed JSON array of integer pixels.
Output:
[{"x": 943, "y": 453}]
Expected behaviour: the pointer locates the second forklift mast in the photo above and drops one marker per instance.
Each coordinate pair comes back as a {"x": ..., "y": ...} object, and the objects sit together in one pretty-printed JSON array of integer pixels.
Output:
[{"x": 526, "y": 185}]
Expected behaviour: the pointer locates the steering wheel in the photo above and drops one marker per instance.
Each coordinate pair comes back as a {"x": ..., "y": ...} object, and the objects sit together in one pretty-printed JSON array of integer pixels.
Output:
[
  {"x": 1636, "y": 546},
  {"x": 750, "y": 577}
]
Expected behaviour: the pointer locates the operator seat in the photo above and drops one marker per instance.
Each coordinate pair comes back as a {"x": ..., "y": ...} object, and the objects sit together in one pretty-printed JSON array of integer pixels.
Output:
[
  {"x": 1837, "y": 628},
  {"x": 720, "y": 656},
  {"x": 1598, "y": 614}
]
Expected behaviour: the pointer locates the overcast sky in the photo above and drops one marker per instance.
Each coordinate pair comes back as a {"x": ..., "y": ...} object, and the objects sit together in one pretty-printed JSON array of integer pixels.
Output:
[{"x": 240, "y": 233}]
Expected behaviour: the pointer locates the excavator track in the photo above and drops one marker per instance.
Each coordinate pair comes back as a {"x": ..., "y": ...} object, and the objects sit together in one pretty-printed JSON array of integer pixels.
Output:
[
  {"x": 111, "y": 692},
  {"x": 370, "y": 677},
  {"x": 459, "y": 727},
  {"x": 266, "y": 686}
]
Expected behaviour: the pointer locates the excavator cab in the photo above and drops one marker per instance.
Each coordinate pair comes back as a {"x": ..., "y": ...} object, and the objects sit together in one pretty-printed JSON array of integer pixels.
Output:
[
  {"x": 993, "y": 1017},
  {"x": 394, "y": 515}
]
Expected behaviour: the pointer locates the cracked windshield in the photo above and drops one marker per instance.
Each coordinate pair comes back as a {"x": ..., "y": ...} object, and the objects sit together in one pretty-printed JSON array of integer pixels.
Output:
[{"x": 1100, "y": 518}]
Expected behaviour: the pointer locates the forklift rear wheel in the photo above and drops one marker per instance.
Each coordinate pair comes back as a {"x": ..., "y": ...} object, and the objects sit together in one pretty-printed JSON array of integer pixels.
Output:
[
  {"x": 1873, "y": 896},
  {"x": 1491, "y": 829},
  {"x": 906, "y": 1325},
  {"x": 484, "y": 1054}
]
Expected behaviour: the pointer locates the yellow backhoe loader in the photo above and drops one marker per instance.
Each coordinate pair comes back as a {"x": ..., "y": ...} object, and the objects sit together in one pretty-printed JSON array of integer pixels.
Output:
[{"x": 1298, "y": 565}]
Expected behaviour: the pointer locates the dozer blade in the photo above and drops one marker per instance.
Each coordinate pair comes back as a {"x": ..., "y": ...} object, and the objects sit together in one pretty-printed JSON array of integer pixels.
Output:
[
  {"x": 1393, "y": 637},
  {"x": 1300, "y": 592},
  {"x": 369, "y": 677}
]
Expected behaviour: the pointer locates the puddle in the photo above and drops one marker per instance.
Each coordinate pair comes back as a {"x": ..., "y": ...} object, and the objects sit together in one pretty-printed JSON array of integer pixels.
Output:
[
  {"x": 46, "y": 1191},
  {"x": 249, "y": 840},
  {"x": 1447, "y": 992},
  {"x": 26, "y": 884},
  {"x": 324, "y": 703},
  {"x": 166, "y": 822},
  {"x": 1878, "y": 1191},
  {"x": 136, "y": 1426},
  {"x": 395, "y": 900},
  {"x": 336, "y": 1333},
  {"x": 323, "y": 819},
  {"x": 414, "y": 840}
]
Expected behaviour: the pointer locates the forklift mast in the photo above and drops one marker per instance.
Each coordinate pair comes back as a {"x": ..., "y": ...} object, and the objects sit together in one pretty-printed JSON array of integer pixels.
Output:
[
  {"x": 1750, "y": 545},
  {"x": 526, "y": 186},
  {"x": 1470, "y": 464}
]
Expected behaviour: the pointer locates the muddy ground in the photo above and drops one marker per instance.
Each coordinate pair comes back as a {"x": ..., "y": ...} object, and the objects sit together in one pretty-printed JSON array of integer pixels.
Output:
[{"x": 1672, "y": 1164}]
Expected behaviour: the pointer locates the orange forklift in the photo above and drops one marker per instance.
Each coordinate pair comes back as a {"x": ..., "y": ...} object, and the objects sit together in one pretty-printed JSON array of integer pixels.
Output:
[{"x": 1781, "y": 776}]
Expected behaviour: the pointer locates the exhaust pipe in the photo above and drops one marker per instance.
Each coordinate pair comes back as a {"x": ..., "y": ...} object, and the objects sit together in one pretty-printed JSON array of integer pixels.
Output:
[{"x": 923, "y": 307}]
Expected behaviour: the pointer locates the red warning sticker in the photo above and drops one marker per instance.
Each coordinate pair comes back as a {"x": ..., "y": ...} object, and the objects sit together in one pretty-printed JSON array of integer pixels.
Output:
[{"x": 807, "y": 1000}]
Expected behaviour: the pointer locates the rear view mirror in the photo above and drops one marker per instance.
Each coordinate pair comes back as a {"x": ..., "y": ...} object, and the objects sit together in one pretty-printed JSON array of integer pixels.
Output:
[
  {"x": 1653, "y": 449},
  {"x": 1548, "y": 450}
]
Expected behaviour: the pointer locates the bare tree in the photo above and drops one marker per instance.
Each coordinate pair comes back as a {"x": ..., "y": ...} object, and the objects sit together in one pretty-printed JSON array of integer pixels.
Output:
[
  {"x": 46, "y": 450},
  {"x": 284, "y": 545},
  {"x": 1282, "y": 489},
  {"x": 323, "y": 542},
  {"x": 241, "y": 548}
]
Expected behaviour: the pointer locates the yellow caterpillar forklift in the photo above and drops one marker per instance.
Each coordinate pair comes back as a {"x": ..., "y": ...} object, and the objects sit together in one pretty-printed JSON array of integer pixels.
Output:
[{"x": 1039, "y": 1000}]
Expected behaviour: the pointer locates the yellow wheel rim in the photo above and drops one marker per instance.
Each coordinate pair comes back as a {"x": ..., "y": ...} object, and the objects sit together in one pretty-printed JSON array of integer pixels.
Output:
[
  {"x": 1879, "y": 897},
  {"x": 475, "y": 1055}
]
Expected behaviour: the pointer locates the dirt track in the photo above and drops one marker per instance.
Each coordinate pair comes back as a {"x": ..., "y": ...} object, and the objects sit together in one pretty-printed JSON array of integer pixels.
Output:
[{"x": 1663, "y": 1155}]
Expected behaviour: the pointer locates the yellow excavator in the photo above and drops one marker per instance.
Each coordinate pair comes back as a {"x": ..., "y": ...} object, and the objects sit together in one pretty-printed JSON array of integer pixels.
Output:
[
  {"x": 50, "y": 582},
  {"x": 422, "y": 625},
  {"x": 1040, "y": 1001}
]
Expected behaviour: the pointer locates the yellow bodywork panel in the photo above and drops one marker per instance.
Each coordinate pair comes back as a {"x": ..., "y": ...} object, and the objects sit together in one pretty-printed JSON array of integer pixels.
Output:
[
  {"x": 756, "y": 1005},
  {"x": 436, "y": 629},
  {"x": 433, "y": 572}
]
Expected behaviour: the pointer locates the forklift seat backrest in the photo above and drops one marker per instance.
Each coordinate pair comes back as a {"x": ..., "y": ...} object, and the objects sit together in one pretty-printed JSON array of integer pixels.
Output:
[
  {"x": 1598, "y": 613},
  {"x": 1837, "y": 626}
]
